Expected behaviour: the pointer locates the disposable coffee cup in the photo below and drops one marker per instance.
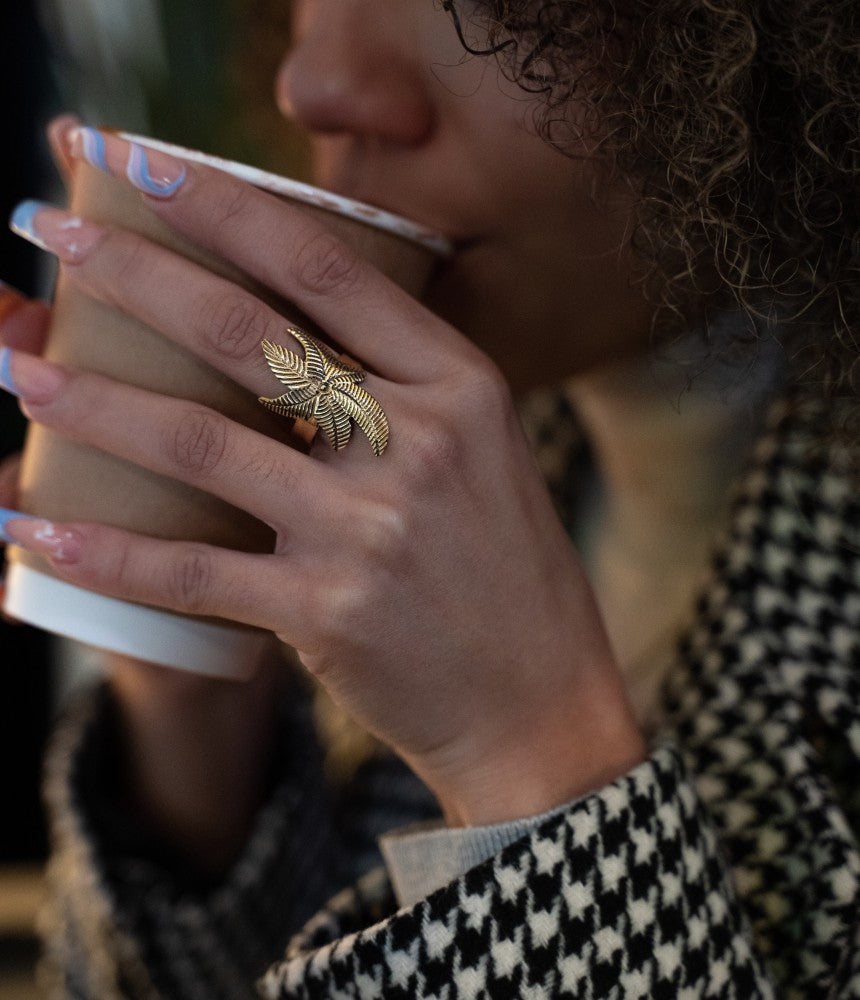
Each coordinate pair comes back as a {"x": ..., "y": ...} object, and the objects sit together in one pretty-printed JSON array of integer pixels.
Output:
[{"x": 65, "y": 481}]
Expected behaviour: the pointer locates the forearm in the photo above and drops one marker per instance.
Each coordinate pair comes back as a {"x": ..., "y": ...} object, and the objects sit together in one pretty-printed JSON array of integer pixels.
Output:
[
  {"x": 195, "y": 753},
  {"x": 127, "y": 909}
]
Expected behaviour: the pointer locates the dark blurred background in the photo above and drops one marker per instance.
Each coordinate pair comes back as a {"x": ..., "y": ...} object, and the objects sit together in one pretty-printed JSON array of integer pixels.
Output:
[
  {"x": 197, "y": 72},
  {"x": 27, "y": 679},
  {"x": 25, "y": 675}
]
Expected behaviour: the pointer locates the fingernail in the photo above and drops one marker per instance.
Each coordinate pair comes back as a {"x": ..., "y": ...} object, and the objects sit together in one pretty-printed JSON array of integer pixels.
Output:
[
  {"x": 6, "y": 380},
  {"x": 90, "y": 144},
  {"x": 22, "y": 221},
  {"x": 35, "y": 381},
  {"x": 55, "y": 230},
  {"x": 151, "y": 171},
  {"x": 42, "y": 537},
  {"x": 7, "y": 515},
  {"x": 154, "y": 172},
  {"x": 60, "y": 134}
]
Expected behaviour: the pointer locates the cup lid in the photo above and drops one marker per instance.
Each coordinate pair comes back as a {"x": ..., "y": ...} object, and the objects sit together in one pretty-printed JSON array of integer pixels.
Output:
[{"x": 308, "y": 194}]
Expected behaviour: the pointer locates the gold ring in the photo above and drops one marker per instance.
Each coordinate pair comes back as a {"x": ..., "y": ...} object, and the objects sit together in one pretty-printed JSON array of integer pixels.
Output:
[{"x": 324, "y": 390}]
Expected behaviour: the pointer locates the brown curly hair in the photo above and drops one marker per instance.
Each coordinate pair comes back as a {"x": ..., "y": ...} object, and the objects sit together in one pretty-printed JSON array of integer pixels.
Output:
[{"x": 738, "y": 123}]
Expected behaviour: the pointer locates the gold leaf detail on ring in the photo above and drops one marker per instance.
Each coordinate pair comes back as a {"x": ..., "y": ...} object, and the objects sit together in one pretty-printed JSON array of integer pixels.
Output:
[{"x": 324, "y": 389}]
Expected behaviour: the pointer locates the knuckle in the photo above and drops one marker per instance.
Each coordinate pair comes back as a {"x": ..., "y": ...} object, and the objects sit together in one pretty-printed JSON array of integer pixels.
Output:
[
  {"x": 264, "y": 467},
  {"x": 435, "y": 452},
  {"x": 229, "y": 207},
  {"x": 233, "y": 325},
  {"x": 190, "y": 580},
  {"x": 385, "y": 535},
  {"x": 198, "y": 442},
  {"x": 490, "y": 395},
  {"x": 122, "y": 575},
  {"x": 113, "y": 570},
  {"x": 345, "y": 607},
  {"x": 114, "y": 565},
  {"x": 339, "y": 606},
  {"x": 325, "y": 266},
  {"x": 132, "y": 265},
  {"x": 441, "y": 447}
]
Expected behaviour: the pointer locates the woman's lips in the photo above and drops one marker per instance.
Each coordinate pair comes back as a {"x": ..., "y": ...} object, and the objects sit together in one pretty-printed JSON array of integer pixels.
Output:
[{"x": 434, "y": 221}]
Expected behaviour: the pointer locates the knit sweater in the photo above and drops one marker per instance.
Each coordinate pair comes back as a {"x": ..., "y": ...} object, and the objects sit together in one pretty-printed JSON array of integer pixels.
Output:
[{"x": 725, "y": 865}]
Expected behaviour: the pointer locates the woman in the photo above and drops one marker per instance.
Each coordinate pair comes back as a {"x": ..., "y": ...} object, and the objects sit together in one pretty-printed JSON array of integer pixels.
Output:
[{"x": 643, "y": 758}]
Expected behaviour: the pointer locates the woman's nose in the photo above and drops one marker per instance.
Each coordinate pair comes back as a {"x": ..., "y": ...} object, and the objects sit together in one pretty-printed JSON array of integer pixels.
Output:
[{"x": 354, "y": 70}]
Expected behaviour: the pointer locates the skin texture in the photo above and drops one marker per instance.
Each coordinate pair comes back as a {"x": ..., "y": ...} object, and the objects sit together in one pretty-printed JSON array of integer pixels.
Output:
[
  {"x": 433, "y": 591},
  {"x": 390, "y": 102},
  {"x": 363, "y": 546}
]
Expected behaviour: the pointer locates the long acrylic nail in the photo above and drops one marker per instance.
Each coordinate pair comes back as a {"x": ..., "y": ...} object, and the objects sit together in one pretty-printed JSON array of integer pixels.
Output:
[
  {"x": 154, "y": 172},
  {"x": 6, "y": 380},
  {"x": 55, "y": 230},
  {"x": 22, "y": 222},
  {"x": 6, "y": 516},
  {"x": 42, "y": 537},
  {"x": 35, "y": 381},
  {"x": 60, "y": 131},
  {"x": 91, "y": 144}
]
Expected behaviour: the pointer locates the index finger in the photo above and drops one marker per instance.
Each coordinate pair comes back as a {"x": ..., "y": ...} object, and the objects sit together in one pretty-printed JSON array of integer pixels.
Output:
[
  {"x": 59, "y": 131},
  {"x": 288, "y": 251}
]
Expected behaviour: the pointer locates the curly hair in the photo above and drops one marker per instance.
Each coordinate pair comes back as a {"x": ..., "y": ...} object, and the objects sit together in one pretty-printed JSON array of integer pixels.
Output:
[{"x": 738, "y": 124}]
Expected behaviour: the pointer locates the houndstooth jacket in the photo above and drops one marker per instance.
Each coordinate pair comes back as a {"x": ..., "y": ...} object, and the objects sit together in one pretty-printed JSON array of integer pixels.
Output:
[{"x": 726, "y": 865}]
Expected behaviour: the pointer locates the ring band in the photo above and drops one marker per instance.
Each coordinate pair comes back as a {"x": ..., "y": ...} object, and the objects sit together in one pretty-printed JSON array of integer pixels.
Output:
[{"x": 324, "y": 390}]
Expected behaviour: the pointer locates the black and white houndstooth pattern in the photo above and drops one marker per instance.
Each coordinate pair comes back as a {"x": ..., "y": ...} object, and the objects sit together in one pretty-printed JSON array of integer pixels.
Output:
[
  {"x": 624, "y": 896},
  {"x": 726, "y": 865},
  {"x": 735, "y": 876},
  {"x": 766, "y": 708}
]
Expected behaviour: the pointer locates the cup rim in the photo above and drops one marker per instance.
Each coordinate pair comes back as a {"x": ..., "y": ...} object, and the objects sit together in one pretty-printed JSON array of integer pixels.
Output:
[
  {"x": 370, "y": 215},
  {"x": 212, "y": 647}
]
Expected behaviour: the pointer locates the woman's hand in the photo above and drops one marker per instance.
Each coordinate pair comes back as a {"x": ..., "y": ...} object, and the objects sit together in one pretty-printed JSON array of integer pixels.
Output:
[
  {"x": 432, "y": 590},
  {"x": 197, "y": 748},
  {"x": 24, "y": 322}
]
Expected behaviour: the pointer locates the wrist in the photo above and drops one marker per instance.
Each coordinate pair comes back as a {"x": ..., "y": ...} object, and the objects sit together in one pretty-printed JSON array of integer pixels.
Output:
[{"x": 542, "y": 760}]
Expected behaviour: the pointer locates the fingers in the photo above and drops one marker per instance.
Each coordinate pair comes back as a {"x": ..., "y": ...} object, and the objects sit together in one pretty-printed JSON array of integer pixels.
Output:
[
  {"x": 23, "y": 321},
  {"x": 185, "y": 577},
  {"x": 204, "y": 313},
  {"x": 58, "y": 132},
  {"x": 175, "y": 438},
  {"x": 289, "y": 252}
]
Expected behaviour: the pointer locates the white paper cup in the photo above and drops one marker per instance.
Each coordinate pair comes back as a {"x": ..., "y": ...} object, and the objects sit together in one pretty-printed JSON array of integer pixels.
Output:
[{"x": 65, "y": 481}]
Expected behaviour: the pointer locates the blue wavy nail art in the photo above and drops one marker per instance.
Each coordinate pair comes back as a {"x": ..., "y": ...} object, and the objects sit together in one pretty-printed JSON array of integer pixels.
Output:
[
  {"x": 6, "y": 380},
  {"x": 139, "y": 175},
  {"x": 6, "y": 516},
  {"x": 21, "y": 221},
  {"x": 93, "y": 148}
]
